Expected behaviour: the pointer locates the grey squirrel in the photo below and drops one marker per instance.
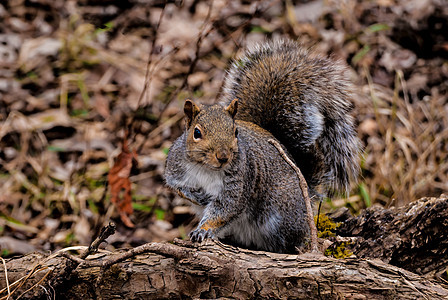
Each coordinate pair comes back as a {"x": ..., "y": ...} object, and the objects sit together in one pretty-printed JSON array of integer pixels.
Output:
[{"x": 247, "y": 194}]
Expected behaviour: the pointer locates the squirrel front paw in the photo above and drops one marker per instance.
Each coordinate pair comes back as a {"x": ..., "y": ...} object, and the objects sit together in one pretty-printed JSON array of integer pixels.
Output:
[{"x": 198, "y": 235}]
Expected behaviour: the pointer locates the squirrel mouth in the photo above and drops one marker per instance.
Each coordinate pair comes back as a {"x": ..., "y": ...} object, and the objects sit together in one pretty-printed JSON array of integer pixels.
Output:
[
  {"x": 215, "y": 163},
  {"x": 217, "y": 168}
]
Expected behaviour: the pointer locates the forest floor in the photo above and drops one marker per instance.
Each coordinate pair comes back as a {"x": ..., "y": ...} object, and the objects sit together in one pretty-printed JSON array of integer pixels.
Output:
[{"x": 79, "y": 79}]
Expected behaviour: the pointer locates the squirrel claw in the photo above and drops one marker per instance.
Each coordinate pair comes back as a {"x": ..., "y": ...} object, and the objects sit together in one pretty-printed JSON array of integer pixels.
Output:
[{"x": 199, "y": 235}]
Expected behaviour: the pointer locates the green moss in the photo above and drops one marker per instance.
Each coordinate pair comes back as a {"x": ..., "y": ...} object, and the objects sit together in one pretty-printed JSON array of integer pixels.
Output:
[
  {"x": 340, "y": 251},
  {"x": 326, "y": 227}
]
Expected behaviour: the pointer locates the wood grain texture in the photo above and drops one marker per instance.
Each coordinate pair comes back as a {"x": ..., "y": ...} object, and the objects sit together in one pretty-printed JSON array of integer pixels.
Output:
[{"x": 212, "y": 269}]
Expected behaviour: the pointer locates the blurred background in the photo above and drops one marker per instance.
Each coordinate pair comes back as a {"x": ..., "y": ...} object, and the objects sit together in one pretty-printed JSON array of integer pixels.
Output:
[{"x": 88, "y": 84}]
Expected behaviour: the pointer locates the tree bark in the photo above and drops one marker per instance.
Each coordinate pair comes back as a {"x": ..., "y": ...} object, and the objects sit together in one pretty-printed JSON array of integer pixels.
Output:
[
  {"x": 413, "y": 237},
  {"x": 212, "y": 270}
]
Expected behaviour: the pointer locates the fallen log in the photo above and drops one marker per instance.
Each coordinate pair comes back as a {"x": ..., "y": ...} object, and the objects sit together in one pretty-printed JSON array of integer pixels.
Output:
[
  {"x": 413, "y": 237},
  {"x": 213, "y": 269}
]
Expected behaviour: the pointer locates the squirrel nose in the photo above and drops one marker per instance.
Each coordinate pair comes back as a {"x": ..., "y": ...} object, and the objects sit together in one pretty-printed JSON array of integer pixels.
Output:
[{"x": 222, "y": 156}]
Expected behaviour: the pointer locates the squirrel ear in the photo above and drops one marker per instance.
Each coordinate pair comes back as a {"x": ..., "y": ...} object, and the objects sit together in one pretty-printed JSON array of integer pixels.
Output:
[
  {"x": 191, "y": 110},
  {"x": 233, "y": 107}
]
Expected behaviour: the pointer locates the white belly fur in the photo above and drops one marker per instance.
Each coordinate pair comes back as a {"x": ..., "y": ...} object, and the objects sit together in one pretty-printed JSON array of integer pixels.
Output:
[
  {"x": 248, "y": 233},
  {"x": 198, "y": 176}
]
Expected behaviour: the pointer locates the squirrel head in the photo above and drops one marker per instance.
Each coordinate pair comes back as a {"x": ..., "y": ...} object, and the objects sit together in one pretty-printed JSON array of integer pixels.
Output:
[{"x": 211, "y": 134}]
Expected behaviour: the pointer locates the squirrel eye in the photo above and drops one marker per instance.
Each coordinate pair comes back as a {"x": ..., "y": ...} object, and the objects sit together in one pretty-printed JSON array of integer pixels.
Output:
[{"x": 197, "y": 133}]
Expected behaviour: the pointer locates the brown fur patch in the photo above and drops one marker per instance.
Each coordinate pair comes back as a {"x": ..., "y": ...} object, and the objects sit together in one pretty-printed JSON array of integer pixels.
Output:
[{"x": 213, "y": 224}]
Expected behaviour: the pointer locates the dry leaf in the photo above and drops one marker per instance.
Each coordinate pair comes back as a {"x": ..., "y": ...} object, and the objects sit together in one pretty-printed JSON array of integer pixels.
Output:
[{"x": 119, "y": 181}]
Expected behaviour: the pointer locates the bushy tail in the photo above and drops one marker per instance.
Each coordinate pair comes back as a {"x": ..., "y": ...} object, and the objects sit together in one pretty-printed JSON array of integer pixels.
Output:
[
  {"x": 305, "y": 101},
  {"x": 341, "y": 150}
]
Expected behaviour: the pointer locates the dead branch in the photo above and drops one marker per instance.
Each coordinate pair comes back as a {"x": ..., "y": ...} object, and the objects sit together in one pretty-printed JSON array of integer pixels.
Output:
[{"x": 306, "y": 198}]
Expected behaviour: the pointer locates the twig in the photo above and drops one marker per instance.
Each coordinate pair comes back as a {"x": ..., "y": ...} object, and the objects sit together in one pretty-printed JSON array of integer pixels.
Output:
[
  {"x": 6, "y": 277},
  {"x": 304, "y": 188},
  {"x": 106, "y": 231},
  {"x": 77, "y": 260},
  {"x": 157, "y": 248},
  {"x": 150, "y": 69},
  {"x": 36, "y": 284},
  {"x": 203, "y": 34},
  {"x": 318, "y": 215},
  {"x": 23, "y": 279},
  {"x": 148, "y": 73}
]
